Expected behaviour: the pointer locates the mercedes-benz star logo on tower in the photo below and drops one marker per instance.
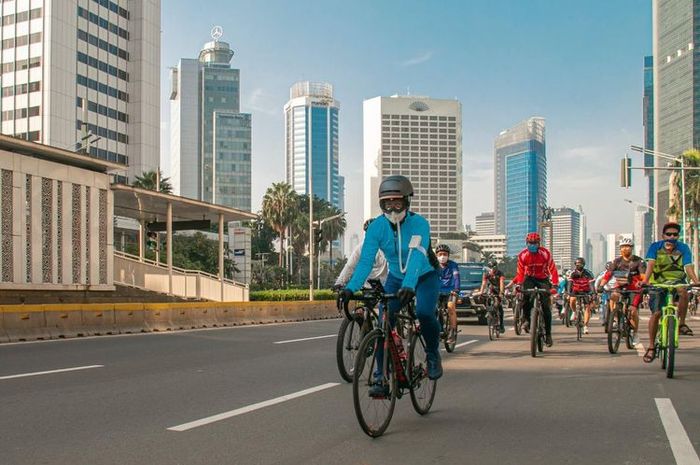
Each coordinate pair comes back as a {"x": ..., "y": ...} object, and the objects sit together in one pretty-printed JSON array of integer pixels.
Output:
[{"x": 217, "y": 32}]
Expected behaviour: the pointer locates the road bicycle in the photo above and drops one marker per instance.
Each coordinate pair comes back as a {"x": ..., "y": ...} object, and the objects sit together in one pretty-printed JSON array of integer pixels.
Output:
[
  {"x": 403, "y": 370},
  {"x": 443, "y": 316},
  {"x": 518, "y": 319},
  {"x": 666, "y": 343},
  {"x": 492, "y": 317},
  {"x": 582, "y": 301},
  {"x": 356, "y": 324},
  {"x": 537, "y": 325},
  {"x": 618, "y": 324},
  {"x": 693, "y": 301}
]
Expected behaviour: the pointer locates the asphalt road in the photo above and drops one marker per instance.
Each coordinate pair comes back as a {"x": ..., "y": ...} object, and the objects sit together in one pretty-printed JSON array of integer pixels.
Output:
[{"x": 577, "y": 404}]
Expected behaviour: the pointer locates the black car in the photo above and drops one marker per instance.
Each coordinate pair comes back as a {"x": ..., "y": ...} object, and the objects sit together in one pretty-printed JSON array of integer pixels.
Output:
[{"x": 470, "y": 275}]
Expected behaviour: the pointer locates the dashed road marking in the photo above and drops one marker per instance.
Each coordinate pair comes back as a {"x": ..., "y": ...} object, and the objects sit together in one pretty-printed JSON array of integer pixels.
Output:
[
  {"x": 49, "y": 372},
  {"x": 249, "y": 408},
  {"x": 681, "y": 446},
  {"x": 305, "y": 339}
]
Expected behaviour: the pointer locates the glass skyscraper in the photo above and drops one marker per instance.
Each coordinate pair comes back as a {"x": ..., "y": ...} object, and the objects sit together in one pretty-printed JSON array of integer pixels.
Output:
[
  {"x": 520, "y": 172},
  {"x": 648, "y": 123},
  {"x": 210, "y": 150},
  {"x": 311, "y": 116}
]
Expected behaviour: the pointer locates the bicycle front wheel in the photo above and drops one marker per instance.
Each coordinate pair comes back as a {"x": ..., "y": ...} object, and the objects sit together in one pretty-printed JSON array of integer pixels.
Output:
[
  {"x": 534, "y": 330},
  {"x": 614, "y": 331},
  {"x": 517, "y": 318},
  {"x": 490, "y": 319},
  {"x": 349, "y": 338},
  {"x": 373, "y": 412},
  {"x": 671, "y": 347},
  {"x": 422, "y": 388},
  {"x": 629, "y": 333}
]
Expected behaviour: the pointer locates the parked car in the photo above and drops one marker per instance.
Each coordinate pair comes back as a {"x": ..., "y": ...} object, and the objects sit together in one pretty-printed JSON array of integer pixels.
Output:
[{"x": 470, "y": 274}]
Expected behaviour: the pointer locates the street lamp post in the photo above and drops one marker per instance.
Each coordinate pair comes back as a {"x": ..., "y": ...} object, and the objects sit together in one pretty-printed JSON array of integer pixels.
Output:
[
  {"x": 669, "y": 157},
  {"x": 320, "y": 225}
]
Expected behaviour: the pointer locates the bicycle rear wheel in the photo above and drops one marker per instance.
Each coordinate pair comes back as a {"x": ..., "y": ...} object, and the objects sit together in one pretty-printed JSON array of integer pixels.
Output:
[
  {"x": 490, "y": 320},
  {"x": 629, "y": 335},
  {"x": 534, "y": 330},
  {"x": 614, "y": 331},
  {"x": 348, "y": 341},
  {"x": 671, "y": 348},
  {"x": 579, "y": 322},
  {"x": 422, "y": 388},
  {"x": 567, "y": 314},
  {"x": 373, "y": 413}
]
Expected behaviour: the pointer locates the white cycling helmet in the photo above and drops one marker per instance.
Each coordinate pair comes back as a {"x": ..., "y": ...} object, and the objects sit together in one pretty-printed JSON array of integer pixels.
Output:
[{"x": 626, "y": 241}]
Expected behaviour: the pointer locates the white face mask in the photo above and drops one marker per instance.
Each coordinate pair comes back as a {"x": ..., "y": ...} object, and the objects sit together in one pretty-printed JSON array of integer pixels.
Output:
[
  {"x": 443, "y": 259},
  {"x": 396, "y": 217}
]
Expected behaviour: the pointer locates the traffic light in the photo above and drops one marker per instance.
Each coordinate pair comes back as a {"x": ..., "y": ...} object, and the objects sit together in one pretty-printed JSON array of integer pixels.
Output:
[
  {"x": 626, "y": 172},
  {"x": 318, "y": 235}
]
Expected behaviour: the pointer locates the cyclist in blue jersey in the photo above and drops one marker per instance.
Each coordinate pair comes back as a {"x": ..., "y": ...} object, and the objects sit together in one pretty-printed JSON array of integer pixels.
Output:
[
  {"x": 449, "y": 284},
  {"x": 412, "y": 270}
]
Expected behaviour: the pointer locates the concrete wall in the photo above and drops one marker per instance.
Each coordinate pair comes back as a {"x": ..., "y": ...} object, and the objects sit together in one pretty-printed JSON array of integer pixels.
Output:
[{"x": 56, "y": 226}]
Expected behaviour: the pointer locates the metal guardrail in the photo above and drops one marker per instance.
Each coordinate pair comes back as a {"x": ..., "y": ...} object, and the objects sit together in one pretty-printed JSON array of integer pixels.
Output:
[{"x": 184, "y": 271}]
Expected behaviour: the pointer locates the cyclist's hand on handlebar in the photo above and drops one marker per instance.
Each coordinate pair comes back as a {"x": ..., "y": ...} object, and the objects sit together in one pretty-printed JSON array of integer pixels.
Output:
[
  {"x": 344, "y": 296},
  {"x": 405, "y": 295},
  {"x": 600, "y": 289},
  {"x": 337, "y": 287}
]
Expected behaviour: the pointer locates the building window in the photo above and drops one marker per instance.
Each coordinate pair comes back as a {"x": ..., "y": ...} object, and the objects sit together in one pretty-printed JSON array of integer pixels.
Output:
[{"x": 102, "y": 88}]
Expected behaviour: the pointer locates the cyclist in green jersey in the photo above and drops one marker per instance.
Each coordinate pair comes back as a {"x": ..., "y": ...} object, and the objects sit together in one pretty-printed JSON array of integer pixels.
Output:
[{"x": 669, "y": 261}]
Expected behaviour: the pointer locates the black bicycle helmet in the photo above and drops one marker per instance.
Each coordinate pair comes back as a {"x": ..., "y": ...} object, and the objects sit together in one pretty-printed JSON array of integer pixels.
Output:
[
  {"x": 581, "y": 259},
  {"x": 493, "y": 264},
  {"x": 395, "y": 186},
  {"x": 443, "y": 248},
  {"x": 671, "y": 225}
]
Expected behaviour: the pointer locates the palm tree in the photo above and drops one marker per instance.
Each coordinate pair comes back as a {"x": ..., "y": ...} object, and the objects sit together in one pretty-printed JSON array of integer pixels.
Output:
[
  {"x": 691, "y": 158},
  {"x": 148, "y": 180},
  {"x": 279, "y": 208}
]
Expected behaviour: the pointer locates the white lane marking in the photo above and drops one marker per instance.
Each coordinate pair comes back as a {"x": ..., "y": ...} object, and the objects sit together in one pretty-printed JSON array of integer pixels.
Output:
[
  {"x": 305, "y": 339},
  {"x": 695, "y": 318},
  {"x": 38, "y": 373},
  {"x": 249, "y": 408},
  {"x": 466, "y": 343},
  {"x": 681, "y": 446}
]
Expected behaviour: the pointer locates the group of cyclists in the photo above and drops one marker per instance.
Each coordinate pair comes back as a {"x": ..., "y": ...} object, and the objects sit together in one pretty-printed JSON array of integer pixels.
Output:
[{"x": 397, "y": 250}]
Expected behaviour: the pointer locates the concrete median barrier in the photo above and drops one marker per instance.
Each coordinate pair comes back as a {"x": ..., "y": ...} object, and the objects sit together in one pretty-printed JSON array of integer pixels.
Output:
[
  {"x": 98, "y": 319},
  {"x": 64, "y": 320},
  {"x": 32, "y": 322},
  {"x": 130, "y": 318},
  {"x": 158, "y": 317},
  {"x": 26, "y": 323}
]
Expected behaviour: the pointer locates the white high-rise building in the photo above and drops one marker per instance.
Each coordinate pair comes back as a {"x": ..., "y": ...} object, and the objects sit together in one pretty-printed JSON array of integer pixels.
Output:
[
  {"x": 65, "y": 63},
  {"x": 613, "y": 245},
  {"x": 566, "y": 242},
  {"x": 494, "y": 244},
  {"x": 599, "y": 253},
  {"x": 639, "y": 226},
  {"x": 485, "y": 224},
  {"x": 420, "y": 138},
  {"x": 583, "y": 233}
]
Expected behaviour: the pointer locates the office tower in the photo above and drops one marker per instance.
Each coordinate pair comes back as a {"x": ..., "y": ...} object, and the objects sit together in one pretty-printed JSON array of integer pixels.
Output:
[
  {"x": 648, "y": 123},
  {"x": 566, "y": 243},
  {"x": 639, "y": 230},
  {"x": 599, "y": 252},
  {"x": 86, "y": 61},
  {"x": 485, "y": 224},
  {"x": 210, "y": 148},
  {"x": 311, "y": 122},
  {"x": 676, "y": 127},
  {"x": 420, "y": 138},
  {"x": 493, "y": 244},
  {"x": 520, "y": 181}
]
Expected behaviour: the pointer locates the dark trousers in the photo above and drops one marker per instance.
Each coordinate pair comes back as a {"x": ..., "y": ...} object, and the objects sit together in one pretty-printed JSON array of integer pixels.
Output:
[{"x": 529, "y": 299}]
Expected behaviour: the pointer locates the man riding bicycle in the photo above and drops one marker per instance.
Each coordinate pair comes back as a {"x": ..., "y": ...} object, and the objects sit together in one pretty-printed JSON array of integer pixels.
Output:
[
  {"x": 536, "y": 268},
  {"x": 580, "y": 282},
  {"x": 669, "y": 261},
  {"x": 493, "y": 280},
  {"x": 628, "y": 270},
  {"x": 379, "y": 271},
  {"x": 412, "y": 270},
  {"x": 449, "y": 285}
]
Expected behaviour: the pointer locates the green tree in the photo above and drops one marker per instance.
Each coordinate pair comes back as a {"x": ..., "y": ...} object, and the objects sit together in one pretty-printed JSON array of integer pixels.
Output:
[
  {"x": 691, "y": 158},
  {"x": 333, "y": 229},
  {"x": 278, "y": 210},
  {"x": 147, "y": 180}
]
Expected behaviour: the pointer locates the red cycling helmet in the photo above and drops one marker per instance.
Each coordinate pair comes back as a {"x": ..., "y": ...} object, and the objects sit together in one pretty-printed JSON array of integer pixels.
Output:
[{"x": 532, "y": 237}]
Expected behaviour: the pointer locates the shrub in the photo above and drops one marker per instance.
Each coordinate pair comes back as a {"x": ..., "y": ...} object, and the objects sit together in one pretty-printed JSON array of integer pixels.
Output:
[{"x": 290, "y": 294}]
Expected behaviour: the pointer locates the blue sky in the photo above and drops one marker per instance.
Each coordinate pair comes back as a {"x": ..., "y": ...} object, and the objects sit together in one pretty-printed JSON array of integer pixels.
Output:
[{"x": 578, "y": 64}]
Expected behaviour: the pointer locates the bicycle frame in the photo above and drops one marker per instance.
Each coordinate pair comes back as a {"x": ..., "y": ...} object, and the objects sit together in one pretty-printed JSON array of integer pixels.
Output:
[{"x": 669, "y": 310}]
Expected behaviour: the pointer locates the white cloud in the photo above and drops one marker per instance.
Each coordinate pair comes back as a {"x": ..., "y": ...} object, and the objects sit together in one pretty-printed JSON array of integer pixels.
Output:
[
  {"x": 418, "y": 59},
  {"x": 259, "y": 101}
]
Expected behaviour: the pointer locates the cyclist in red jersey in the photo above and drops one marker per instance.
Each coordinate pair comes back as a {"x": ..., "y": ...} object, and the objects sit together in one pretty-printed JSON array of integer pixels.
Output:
[
  {"x": 536, "y": 269},
  {"x": 581, "y": 283}
]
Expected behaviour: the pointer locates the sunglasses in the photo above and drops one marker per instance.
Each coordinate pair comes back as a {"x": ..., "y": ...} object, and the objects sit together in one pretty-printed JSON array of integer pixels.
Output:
[
  {"x": 533, "y": 243},
  {"x": 671, "y": 234}
]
